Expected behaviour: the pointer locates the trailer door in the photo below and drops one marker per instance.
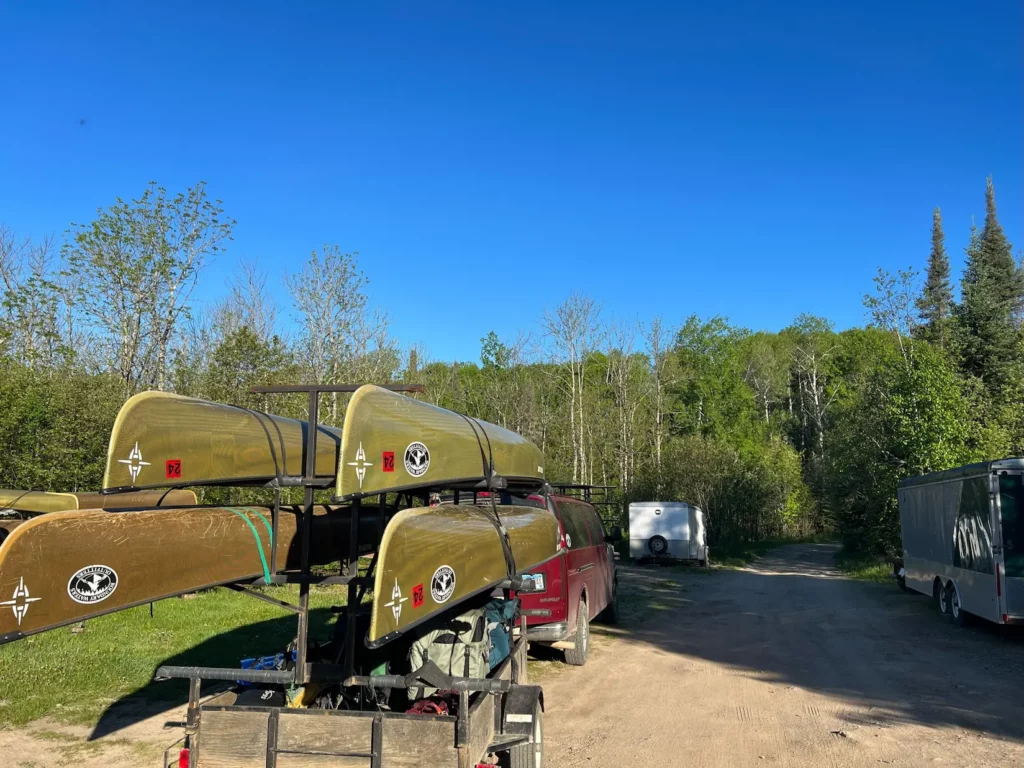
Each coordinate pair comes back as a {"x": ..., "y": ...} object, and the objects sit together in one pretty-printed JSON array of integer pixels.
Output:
[{"x": 1011, "y": 513}]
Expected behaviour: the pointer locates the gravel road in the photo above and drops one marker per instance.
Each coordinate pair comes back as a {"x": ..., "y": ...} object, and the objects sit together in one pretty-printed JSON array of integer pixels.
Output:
[{"x": 786, "y": 663}]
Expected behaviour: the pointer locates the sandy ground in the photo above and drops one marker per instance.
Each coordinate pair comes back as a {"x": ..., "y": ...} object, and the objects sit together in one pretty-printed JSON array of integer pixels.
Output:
[{"x": 783, "y": 663}]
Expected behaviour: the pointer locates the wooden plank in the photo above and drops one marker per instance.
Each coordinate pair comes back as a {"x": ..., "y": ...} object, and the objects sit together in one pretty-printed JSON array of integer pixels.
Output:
[
  {"x": 338, "y": 733},
  {"x": 409, "y": 743},
  {"x": 321, "y": 761},
  {"x": 481, "y": 726},
  {"x": 233, "y": 740}
]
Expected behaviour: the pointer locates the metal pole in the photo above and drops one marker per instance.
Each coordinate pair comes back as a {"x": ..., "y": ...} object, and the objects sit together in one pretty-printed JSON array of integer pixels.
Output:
[{"x": 302, "y": 642}]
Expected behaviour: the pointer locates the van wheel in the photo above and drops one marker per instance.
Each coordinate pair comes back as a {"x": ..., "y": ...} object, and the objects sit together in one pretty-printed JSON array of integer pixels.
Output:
[
  {"x": 610, "y": 615},
  {"x": 959, "y": 616},
  {"x": 942, "y": 596},
  {"x": 578, "y": 656},
  {"x": 530, "y": 755}
]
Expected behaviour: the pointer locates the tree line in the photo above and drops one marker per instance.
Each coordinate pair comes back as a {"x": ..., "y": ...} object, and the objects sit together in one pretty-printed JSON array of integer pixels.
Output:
[{"x": 775, "y": 434}]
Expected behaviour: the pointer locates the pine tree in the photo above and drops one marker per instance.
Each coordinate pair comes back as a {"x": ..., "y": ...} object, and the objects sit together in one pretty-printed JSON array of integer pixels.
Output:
[
  {"x": 993, "y": 293},
  {"x": 936, "y": 301}
]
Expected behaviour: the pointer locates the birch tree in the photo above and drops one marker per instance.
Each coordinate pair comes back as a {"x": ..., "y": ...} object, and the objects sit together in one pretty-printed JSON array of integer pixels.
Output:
[
  {"x": 136, "y": 266},
  {"x": 574, "y": 330}
]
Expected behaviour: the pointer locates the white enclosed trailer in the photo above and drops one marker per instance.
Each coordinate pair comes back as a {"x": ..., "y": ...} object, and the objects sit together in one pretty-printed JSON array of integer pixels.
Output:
[
  {"x": 963, "y": 539},
  {"x": 667, "y": 529}
]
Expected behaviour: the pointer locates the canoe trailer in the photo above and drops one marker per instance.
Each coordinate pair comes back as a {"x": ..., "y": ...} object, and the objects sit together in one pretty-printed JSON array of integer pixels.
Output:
[{"x": 192, "y": 443}]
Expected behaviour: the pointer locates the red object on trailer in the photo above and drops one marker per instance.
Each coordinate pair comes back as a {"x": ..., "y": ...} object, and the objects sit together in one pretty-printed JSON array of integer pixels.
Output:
[{"x": 183, "y": 758}]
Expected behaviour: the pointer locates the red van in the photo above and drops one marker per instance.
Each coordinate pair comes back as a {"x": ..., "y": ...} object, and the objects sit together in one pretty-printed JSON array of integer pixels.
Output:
[{"x": 578, "y": 586}]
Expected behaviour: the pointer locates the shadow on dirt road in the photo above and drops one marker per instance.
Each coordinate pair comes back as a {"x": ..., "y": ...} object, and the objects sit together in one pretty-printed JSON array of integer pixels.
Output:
[{"x": 791, "y": 618}]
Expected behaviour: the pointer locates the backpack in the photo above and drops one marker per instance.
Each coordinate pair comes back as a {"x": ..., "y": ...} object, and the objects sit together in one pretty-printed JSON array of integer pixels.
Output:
[{"x": 460, "y": 647}]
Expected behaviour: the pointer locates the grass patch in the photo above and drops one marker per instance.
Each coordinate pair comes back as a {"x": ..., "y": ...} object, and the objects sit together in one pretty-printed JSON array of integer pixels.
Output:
[
  {"x": 73, "y": 678},
  {"x": 864, "y": 567}
]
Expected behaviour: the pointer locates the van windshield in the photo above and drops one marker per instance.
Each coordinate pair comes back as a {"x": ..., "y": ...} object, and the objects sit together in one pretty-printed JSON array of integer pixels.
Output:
[{"x": 1011, "y": 503}]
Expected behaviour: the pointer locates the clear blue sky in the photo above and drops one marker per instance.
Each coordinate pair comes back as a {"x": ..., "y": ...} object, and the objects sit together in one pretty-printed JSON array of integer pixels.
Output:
[{"x": 750, "y": 159}]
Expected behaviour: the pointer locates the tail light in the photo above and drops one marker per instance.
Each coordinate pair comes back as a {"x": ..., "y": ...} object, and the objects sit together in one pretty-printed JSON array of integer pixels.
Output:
[{"x": 183, "y": 758}]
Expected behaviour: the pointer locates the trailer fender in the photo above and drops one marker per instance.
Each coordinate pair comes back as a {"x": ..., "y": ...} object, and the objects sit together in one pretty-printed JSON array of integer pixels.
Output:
[{"x": 518, "y": 708}]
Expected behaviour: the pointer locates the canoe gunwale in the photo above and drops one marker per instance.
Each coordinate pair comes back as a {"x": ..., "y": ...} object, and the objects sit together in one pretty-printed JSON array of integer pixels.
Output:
[
  {"x": 285, "y": 481},
  {"x": 391, "y": 636}
]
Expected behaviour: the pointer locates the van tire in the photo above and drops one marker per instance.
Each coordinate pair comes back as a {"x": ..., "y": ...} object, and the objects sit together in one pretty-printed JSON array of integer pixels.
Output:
[
  {"x": 531, "y": 754},
  {"x": 610, "y": 615},
  {"x": 577, "y": 656}
]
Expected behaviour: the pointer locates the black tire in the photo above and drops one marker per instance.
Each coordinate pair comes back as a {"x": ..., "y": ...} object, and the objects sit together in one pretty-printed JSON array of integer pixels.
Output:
[
  {"x": 657, "y": 545},
  {"x": 957, "y": 614},
  {"x": 578, "y": 656},
  {"x": 943, "y": 602},
  {"x": 530, "y": 755},
  {"x": 610, "y": 615}
]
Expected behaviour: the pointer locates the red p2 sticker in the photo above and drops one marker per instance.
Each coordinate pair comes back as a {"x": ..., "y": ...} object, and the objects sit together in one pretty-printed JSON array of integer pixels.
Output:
[
  {"x": 417, "y": 593},
  {"x": 173, "y": 469},
  {"x": 388, "y": 460}
]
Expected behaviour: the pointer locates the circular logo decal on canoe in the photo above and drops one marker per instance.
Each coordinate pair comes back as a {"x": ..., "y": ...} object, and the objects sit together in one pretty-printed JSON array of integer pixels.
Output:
[
  {"x": 417, "y": 459},
  {"x": 92, "y": 584},
  {"x": 442, "y": 584}
]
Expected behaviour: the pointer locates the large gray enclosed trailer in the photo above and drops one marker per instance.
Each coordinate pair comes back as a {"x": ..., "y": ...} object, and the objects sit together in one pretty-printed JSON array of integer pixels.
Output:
[{"x": 963, "y": 539}]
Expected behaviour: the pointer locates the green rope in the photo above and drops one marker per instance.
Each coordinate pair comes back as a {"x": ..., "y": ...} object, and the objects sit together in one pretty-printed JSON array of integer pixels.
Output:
[{"x": 256, "y": 534}]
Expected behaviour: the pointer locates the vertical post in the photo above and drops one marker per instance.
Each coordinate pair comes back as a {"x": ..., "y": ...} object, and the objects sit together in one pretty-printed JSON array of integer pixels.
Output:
[
  {"x": 273, "y": 530},
  {"x": 192, "y": 715},
  {"x": 352, "y": 603},
  {"x": 302, "y": 642}
]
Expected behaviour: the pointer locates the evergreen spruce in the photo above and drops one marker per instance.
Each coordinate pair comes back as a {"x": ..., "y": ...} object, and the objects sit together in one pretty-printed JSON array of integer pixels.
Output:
[
  {"x": 936, "y": 301},
  {"x": 993, "y": 292}
]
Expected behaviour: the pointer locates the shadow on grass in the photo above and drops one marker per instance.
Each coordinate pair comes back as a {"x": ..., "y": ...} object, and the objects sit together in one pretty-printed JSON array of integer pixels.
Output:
[{"x": 262, "y": 638}]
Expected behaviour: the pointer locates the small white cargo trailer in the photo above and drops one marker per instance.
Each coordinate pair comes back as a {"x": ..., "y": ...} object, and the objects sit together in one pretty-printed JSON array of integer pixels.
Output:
[{"x": 667, "y": 530}]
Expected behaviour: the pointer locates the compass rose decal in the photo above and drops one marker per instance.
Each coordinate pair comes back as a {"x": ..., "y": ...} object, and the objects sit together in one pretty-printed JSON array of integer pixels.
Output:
[
  {"x": 20, "y": 601},
  {"x": 134, "y": 462},
  {"x": 360, "y": 464},
  {"x": 396, "y": 601}
]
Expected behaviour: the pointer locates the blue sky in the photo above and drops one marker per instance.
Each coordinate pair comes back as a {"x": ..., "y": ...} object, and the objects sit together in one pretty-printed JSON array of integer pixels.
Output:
[{"x": 749, "y": 159}]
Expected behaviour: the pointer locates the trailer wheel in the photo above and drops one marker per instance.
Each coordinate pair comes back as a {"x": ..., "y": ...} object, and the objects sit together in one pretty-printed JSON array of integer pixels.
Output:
[
  {"x": 657, "y": 545},
  {"x": 942, "y": 596},
  {"x": 959, "y": 616},
  {"x": 578, "y": 656},
  {"x": 530, "y": 755}
]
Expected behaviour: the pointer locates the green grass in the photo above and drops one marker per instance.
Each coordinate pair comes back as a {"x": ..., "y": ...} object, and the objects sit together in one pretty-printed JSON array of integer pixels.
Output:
[
  {"x": 864, "y": 567},
  {"x": 74, "y": 677}
]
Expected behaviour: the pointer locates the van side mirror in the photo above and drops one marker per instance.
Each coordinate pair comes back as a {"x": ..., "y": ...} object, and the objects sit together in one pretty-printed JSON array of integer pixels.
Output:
[{"x": 614, "y": 535}]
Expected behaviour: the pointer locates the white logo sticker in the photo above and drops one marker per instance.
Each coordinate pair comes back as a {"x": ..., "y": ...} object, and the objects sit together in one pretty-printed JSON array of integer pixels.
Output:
[
  {"x": 442, "y": 584},
  {"x": 396, "y": 601},
  {"x": 134, "y": 462},
  {"x": 568, "y": 540},
  {"x": 360, "y": 464},
  {"x": 20, "y": 601},
  {"x": 417, "y": 459},
  {"x": 92, "y": 584}
]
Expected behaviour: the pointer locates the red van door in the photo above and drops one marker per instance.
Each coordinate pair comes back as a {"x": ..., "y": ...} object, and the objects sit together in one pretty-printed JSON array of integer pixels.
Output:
[{"x": 580, "y": 563}]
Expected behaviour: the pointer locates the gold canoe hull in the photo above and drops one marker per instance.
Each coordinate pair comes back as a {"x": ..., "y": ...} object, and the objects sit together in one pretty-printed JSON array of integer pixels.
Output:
[
  {"x": 65, "y": 567},
  {"x": 24, "y": 505},
  {"x": 432, "y": 558},
  {"x": 392, "y": 442},
  {"x": 161, "y": 439}
]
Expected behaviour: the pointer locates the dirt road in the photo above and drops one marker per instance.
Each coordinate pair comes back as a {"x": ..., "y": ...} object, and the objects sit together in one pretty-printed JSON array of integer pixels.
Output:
[{"x": 785, "y": 663}]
